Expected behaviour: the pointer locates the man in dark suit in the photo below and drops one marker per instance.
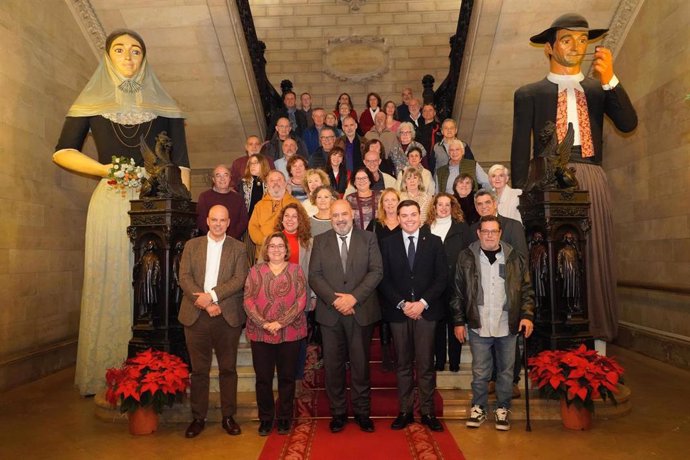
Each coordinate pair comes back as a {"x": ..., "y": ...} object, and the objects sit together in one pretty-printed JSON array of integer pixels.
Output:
[
  {"x": 351, "y": 143},
  {"x": 513, "y": 232},
  {"x": 297, "y": 117},
  {"x": 413, "y": 286},
  {"x": 344, "y": 270},
  {"x": 212, "y": 275},
  {"x": 566, "y": 96}
]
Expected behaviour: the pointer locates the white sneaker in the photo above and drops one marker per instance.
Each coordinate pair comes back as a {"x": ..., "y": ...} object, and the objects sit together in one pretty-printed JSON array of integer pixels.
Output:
[
  {"x": 501, "y": 416},
  {"x": 477, "y": 417}
]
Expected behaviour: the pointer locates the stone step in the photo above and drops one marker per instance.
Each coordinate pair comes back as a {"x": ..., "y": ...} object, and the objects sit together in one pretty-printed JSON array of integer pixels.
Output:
[{"x": 456, "y": 406}]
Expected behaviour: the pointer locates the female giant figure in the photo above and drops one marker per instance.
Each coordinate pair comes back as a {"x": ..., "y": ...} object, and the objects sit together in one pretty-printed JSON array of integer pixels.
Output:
[{"x": 122, "y": 102}]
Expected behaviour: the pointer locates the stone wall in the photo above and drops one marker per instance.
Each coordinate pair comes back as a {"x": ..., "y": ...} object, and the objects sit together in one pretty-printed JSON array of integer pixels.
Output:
[
  {"x": 46, "y": 62},
  {"x": 649, "y": 172},
  {"x": 297, "y": 32}
]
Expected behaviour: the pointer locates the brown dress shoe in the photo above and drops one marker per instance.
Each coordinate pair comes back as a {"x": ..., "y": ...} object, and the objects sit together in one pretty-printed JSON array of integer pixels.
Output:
[
  {"x": 231, "y": 426},
  {"x": 516, "y": 391},
  {"x": 194, "y": 428}
]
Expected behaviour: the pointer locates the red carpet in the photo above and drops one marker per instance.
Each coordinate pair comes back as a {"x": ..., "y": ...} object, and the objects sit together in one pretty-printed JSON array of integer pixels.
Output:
[{"x": 312, "y": 440}]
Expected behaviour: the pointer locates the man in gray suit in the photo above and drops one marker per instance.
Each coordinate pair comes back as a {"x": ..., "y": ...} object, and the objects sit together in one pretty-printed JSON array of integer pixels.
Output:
[
  {"x": 344, "y": 270},
  {"x": 213, "y": 270}
]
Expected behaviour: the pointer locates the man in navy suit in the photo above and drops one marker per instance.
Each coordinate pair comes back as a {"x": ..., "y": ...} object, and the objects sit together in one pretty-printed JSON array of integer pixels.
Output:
[
  {"x": 344, "y": 270},
  {"x": 413, "y": 287}
]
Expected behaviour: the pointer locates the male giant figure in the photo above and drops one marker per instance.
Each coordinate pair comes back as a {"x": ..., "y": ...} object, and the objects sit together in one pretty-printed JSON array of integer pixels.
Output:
[
  {"x": 566, "y": 96},
  {"x": 212, "y": 274},
  {"x": 413, "y": 286},
  {"x": 344, "y": 270}
]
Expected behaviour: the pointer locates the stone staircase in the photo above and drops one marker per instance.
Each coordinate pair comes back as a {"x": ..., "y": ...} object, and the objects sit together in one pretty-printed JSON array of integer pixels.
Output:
[{"x": 454, "y": 388}]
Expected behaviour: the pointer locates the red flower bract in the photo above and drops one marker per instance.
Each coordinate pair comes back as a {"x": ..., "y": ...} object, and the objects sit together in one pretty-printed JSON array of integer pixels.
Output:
[
  {"x": 152, "y": 377},
  {"x": 578, "y": 375}
]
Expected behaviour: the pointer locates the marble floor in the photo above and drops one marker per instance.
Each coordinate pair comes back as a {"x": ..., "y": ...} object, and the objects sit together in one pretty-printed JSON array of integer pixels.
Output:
[{"x": 47, "y": 419}]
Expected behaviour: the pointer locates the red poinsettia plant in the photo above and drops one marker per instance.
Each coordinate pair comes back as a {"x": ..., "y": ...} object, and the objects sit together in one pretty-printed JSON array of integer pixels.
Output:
[
  {"x": 152, "y": 378},
  {"x": 578, "y": 375}
]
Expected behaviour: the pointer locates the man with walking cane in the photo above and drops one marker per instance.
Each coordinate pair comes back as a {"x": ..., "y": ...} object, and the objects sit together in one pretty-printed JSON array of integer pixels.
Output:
[{"x": 492, "y": 301}]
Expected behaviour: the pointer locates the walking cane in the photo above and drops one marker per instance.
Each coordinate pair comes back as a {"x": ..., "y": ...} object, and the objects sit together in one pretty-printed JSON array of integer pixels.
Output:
[{"x": 528, "y": 426}]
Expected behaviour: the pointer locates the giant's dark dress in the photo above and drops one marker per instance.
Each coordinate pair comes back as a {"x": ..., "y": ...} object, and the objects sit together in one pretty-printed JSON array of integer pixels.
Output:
[{"x": 106, "y": 303}]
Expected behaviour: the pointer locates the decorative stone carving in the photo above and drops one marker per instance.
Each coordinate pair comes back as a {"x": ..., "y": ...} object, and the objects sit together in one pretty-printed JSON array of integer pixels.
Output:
[
  {"x": 620, "y": 24},
  {"x": 356, "y": 59},
  {"x": 354, "y": 4},
  {"x": 90, "y": 24}
]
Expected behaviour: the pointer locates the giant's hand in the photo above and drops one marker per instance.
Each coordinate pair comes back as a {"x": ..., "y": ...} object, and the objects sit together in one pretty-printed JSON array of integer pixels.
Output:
[
  {"x": 603, "y": 64},
  {"x": 76, "y": 161}
]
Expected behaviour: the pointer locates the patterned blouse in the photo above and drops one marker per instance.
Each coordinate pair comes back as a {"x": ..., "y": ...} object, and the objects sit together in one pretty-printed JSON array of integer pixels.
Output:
[
  {"x": 364, "y": 209},
  {"x": 269, "y": 297}
]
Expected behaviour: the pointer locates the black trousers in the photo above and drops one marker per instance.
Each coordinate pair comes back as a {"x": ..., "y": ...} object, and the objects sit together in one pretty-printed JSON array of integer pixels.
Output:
[
  {"x": 414, "y": 342},
  {"x": 266, "y": 357},
  {"x": 347, "y": 338},
  {"x": 446, "y": 341}
]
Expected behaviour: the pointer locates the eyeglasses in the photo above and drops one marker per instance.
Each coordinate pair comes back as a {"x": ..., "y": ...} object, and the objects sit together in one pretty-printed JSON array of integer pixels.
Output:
[
  {"x": 362, "y": 178},
  {"x": 405, "y": 132},
  {"x": 276, "y": 246},
  {"x": 327, "y": 137},
  {"x": 489, "y": 232}
]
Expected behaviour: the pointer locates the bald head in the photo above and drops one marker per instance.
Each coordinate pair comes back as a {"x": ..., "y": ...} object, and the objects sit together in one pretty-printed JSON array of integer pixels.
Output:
[{"x": 341, "y": 217}]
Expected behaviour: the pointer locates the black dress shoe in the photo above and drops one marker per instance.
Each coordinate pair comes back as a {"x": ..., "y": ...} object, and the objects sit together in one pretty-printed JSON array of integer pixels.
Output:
[
  {"x": 455, "y": 368},
  {"x": 284, "y": 426},
  {"x": 194, "y": 428},
  {"x": 432, "y": 422},
  {"x": 402, "y": 420},
  {"x": 338, "y": 423},
  {"x": 440, "y": 367},
  {"x": 365, "y": 423},
  {"x": 231, "y": 426},
  {"x": 265, "y": 427}
]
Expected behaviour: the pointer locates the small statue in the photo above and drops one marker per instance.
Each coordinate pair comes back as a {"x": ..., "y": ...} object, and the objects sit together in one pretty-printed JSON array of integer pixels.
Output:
[
  {"x": 550, "y": 171},
  {"x": 165, "y": 179},
  {"x": 570, "y": 273},
  {"x": 539, "y": 268},
  {"x": 175, "y": 285},
  {"x": 147, "y": 277}
]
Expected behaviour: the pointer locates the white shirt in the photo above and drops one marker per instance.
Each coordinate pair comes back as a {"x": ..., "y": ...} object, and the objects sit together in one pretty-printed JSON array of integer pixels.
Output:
[
  {"x": 214, "y": 249},
  {"x": 571, "y": 83},
  {"x": 348, "y": 238},
  {"x": 493, "y": 318}
]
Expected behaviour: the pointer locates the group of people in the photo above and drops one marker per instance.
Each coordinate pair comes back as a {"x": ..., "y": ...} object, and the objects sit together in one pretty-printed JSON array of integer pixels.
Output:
[
  {"x": 373, "y": 254},
  {"x": 341, "y": 221}
]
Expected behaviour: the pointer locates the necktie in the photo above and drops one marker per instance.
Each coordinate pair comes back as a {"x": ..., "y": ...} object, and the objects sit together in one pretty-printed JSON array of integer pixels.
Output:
[
  {"x": 410, "y": 252},
  {"x": 343, "y": 253}
]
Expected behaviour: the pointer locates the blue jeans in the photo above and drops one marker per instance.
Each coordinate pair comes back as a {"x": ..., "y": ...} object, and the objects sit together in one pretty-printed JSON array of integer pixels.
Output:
[{"x": 482, "y": 364}]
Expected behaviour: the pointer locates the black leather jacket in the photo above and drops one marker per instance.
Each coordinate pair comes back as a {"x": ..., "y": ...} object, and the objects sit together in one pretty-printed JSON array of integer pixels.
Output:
[{"x": 464, "y": 308}]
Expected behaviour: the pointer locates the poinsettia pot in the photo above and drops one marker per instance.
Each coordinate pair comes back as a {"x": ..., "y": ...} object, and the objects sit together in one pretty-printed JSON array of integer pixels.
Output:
[
  {"x": 143, "y": 421},
  {"x": 575, "y": 416}
]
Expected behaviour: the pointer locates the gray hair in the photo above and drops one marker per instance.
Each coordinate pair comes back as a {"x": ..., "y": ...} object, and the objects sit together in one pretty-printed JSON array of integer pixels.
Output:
[
  {"x": 483, "y": 192},
  {"x": 407, "y": 124}
]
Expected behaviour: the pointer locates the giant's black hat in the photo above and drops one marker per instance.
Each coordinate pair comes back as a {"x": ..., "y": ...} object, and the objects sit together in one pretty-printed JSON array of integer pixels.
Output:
[{"x": 570, "y": 21}]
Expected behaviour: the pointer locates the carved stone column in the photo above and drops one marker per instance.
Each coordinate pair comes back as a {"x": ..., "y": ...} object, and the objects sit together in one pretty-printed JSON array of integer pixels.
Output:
[
  {"x": 557, "y": 224},
  {"x": 159, "y": 229}
]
